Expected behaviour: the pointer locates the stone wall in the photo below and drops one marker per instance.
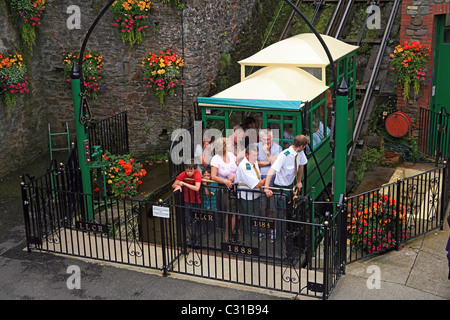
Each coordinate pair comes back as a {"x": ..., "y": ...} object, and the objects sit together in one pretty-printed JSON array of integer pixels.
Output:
[{"x": 199, "y": 33}]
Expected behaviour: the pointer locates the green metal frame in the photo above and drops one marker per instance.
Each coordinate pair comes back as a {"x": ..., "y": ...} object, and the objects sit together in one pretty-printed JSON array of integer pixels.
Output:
[
  {"x": 50, "y": 135},
  {"x": 302, "y": 123}
]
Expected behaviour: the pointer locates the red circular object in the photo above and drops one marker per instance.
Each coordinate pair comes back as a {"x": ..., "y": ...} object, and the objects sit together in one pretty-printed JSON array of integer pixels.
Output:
[{"x": 398, "y": 124}]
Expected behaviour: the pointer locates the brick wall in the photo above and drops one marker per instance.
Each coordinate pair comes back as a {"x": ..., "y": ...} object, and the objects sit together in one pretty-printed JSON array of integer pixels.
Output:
[{"x": 418, "y": 24}]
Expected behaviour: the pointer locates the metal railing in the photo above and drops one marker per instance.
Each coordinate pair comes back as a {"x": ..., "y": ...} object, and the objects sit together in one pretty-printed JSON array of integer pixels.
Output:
[
  {"x": 382, "y": 219},
  {"x": 234, "y": 242},
  {"x": 110, "y": 133},
  {"x": 434, "y": 133}
]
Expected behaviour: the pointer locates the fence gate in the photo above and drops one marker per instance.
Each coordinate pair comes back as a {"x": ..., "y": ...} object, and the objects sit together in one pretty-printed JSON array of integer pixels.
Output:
[
  {"x": 434, "y": 133},
  {"x": 293, "y": 253}
]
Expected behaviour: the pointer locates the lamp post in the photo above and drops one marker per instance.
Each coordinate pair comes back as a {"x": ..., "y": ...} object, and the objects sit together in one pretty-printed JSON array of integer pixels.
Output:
[
  {"x": 82, "y": 116},
  {"x": 82, "y": 141}
]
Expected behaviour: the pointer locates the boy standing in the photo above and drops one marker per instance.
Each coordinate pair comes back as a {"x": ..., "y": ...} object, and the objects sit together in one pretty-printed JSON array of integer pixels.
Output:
[{"x": 191, "y": 194}]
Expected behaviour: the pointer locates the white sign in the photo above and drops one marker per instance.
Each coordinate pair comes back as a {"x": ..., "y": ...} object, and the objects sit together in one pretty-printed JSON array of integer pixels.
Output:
[{"x": 162, "y": 212}]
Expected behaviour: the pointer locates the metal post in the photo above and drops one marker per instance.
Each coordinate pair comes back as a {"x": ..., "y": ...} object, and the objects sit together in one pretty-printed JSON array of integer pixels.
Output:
[
  {"x": 25, "y": 204},
  {"x": 443, "y": 201},
  {"x": 398, "y": 185},
  {"x": 81, "y": 139},
  {"x": 340, "y": 158}
]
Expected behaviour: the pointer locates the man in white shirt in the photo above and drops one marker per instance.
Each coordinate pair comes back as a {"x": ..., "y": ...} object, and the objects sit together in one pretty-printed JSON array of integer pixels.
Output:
[
  {"x": 288, "y": 167},
  {"x": 248, "y": 177}
]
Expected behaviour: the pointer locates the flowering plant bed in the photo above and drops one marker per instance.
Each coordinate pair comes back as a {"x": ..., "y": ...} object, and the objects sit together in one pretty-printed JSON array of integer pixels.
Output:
[
  {"x": 131, "y": 18},
  {"x": 162, "y": 71},
  {"x": 13, "y": 78},
  {"x": 123, "y": 175},
  {"x": 92, "y": 71},
  {"x": 27, "y": 16},
  {"x": 373, "y": 221},
  {"x": 409, "y": 62}
]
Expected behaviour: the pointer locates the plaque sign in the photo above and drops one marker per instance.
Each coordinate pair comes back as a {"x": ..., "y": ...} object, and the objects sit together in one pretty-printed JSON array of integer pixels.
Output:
[{"x": 161, "y": 212}]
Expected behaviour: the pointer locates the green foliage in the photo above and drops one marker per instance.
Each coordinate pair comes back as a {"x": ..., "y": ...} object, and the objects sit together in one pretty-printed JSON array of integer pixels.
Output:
[
  {"x": 372, "y": 222},
  {"x": 409, "y": 63},
  {"x": 370, "y": 157},
  {"x": 123, "y": 175},
  {"x": 13, "y": 78},
  {"x": 132, "y": 17},
  {"x": 92, "y": 71},
  {"x": 162, "y": 72},
  {"x": 26, "y": 15},
  {"x": 379, "y": 113},
  {"x": 178, "y": 3}
]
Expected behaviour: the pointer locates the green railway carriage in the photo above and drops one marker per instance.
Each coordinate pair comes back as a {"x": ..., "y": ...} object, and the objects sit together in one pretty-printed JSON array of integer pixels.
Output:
[{"x": 289, "y": 85}]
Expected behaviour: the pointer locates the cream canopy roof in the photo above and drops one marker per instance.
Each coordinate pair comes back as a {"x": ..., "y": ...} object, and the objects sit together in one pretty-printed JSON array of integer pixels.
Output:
[
  {"x": 302, "y": 50},
  {"x": 270, "y": 87}
]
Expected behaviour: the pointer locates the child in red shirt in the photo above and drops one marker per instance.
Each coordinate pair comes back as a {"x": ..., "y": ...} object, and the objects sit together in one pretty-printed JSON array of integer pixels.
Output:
[
  {"x": 192, "y": 199},
  {"x": 191, "y": 189}
]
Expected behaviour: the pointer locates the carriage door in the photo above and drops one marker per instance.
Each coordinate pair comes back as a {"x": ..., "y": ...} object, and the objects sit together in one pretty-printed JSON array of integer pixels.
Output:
[{"x": 441, "y": 85}]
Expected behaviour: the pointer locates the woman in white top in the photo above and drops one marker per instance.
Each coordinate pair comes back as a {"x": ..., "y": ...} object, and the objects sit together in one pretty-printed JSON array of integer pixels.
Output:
[
  {"x": 223, "y": 171},
  {"x": 223, "y": 164}
]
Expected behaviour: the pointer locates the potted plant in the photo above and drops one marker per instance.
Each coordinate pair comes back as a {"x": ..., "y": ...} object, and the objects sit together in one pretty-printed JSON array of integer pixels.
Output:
[
  {"x": 409, "y": 63},
  {"x": 131, "y": 18},
  {"x": 373, "y": 222},
  {"x": 162, "y": 72},
  {"x": 27, "y": 16},
  {"x": 123, "y": 175},
  {"x": 92, "y": 71},
  {"x": 13, "y": 78}
]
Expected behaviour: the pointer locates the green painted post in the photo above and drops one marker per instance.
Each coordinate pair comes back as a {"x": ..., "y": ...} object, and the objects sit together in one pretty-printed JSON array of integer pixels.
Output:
[
  {"x": 340, "y": 155},
  {"x": 81, "y": 138}
]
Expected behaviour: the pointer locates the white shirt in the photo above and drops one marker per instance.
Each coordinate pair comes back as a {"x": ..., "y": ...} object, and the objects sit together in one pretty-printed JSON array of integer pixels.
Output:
[
  {"x": 246, "y": 178},
  {"x": 285, "y": 166},
  {"x": 224, "y": 169}
]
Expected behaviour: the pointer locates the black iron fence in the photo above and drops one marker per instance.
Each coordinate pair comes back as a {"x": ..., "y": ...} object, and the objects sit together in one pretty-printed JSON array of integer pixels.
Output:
[
  {"x": 382, "y": 219},
  {"x": 110, "y": 133},
  {"x": 289, "y": 250}
]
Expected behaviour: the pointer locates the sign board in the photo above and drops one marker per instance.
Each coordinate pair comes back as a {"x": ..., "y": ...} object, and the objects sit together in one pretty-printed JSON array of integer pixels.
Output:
[
  {"x": 161, "y": 212},
  {"x": 91, "y": 227}
]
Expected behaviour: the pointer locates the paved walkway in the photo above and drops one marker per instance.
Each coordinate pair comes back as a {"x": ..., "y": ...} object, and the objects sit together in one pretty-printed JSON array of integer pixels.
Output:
[{"x": 418, "y": 271}]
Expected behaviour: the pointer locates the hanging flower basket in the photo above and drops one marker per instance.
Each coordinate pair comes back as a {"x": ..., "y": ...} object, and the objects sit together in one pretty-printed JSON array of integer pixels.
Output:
[
  {"x": 409, "y": 63},
  {"x": 162, "y": 72},
  {"x": 27, "y": 16},
  {"x": 132, "y": 18},
  {"x": 92, "y": 71},
  {"x": 13, "y": 78}
]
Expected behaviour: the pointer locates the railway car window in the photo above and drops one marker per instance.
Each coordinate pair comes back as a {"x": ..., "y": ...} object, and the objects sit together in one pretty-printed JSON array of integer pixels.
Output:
[
  {"x": 319, "y": 128},
  {"x": 316, "y": 72},
  {"x": 447, "y": 29},
  {"x": 215, "y": 119},
  {"x": 288, "y": 131}
]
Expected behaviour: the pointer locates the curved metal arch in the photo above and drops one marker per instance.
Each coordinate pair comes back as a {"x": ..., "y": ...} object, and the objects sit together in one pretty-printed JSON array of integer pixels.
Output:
[
  {"x": 335, "y": 90},
  {"x": 77, "y": 71}
]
